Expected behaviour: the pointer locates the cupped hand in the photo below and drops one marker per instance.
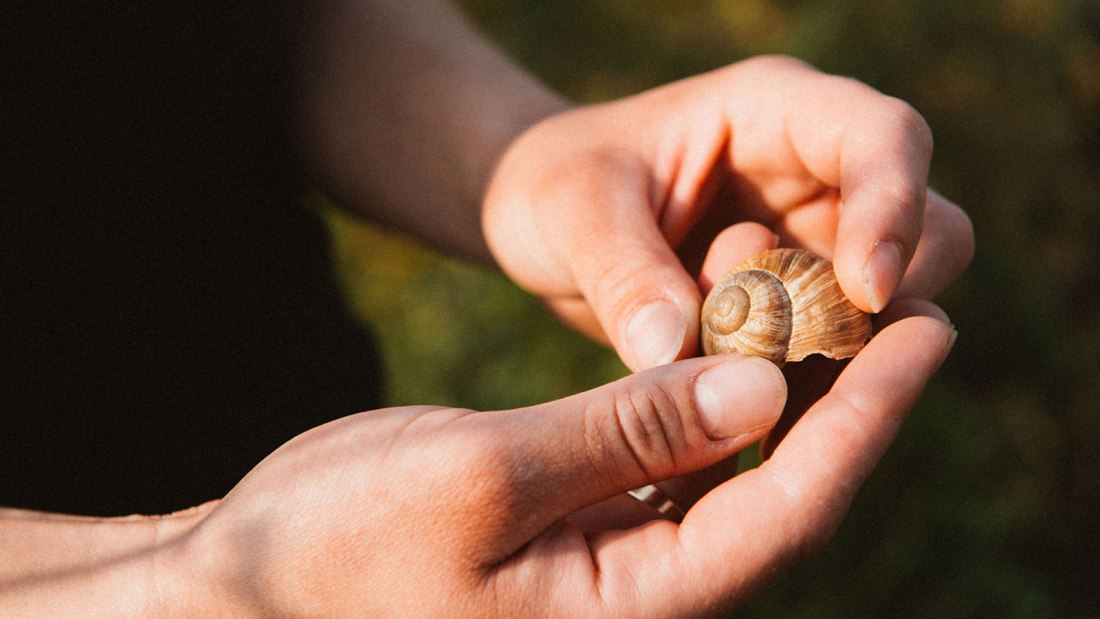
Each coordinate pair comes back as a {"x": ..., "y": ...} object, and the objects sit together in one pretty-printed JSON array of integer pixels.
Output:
[
  {"x": 424, "y": 511},
  {"x": 606, "y": 211}
]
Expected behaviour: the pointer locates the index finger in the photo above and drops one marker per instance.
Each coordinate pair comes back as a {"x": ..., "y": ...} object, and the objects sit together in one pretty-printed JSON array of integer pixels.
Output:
[
  {"x": 745, "y": 532},
  {"x": 876, "y": 150},
  {"x": 883, "y": 192}
]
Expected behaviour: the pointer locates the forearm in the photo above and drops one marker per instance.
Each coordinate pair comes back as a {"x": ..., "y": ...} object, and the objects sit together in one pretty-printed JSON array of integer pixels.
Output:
[
  {"x": 55, "y": 565},
  {"x": 406, "y": 110}
]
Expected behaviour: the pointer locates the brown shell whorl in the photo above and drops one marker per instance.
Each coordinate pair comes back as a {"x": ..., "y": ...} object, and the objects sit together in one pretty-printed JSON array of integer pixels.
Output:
[
  {"x": 748, "y": 312},
  {"x": 783, "y": 305}
]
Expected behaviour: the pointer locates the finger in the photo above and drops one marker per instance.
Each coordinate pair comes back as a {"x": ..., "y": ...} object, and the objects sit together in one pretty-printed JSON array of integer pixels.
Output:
[
  {"x": 732, "y": 246},
  {"x": 596, "y": 238},
  {"x": 647, "y": 427},
  {"x": 814, "y": 376},
  {"x": 624, "y": 511},
  {"x": 876, "y": 149},
  {"x": 577, "y": 313},
  {"x": 645, "y": 301},
  {"x": 804, "y": 490},
  {"x": 621, "y": 511},
  {"x": 909, "y": 308},
  {"x": 811, "y": 379},
  {"x": 685, "y": 491},
  {"x": 946, "y": 247},
  {"x": 883, "y": 188},
  {"x": 751, "y": 528}
]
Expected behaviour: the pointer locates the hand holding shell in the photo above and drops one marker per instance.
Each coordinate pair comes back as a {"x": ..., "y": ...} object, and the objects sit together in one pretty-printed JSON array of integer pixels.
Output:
[{"x": 783, "y": 305}]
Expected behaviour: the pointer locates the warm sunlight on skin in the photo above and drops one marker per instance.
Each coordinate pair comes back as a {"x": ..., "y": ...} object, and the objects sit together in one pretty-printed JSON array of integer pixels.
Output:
[
  {"x": 413, "y": 119},
  {"x": 632, "y": 176},
  {"x": 475, "y": 502}
]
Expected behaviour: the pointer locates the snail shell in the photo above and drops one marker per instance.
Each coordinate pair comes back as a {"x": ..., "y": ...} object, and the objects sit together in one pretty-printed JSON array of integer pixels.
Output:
[{"x": 783, "y": 305}]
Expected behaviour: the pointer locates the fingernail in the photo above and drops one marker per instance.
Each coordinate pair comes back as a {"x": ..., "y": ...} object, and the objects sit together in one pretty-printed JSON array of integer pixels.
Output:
[
  {"x": 655, "y": 334},
  {"x": 882, "y": 274},
  {"x": 739, "y": 397}
]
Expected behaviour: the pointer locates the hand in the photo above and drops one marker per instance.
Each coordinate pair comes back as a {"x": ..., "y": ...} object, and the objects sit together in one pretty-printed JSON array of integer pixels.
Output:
[
  {"x": 606, "y": 211},
  {"x": 438, "y": 512}
]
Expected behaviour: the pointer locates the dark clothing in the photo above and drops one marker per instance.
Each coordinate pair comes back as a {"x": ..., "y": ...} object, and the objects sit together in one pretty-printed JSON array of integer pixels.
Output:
[{"x": 168, "y": 312}]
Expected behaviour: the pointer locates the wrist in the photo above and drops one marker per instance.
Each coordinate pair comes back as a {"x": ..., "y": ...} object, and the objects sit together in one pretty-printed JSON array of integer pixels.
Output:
[
  {"x": 406, "y": 108},
  {"x": 197, "y": 573},
  {"x": 61, "y": 565},
  {"x": 501, "y": 130},
  {"x": 179, "y": 579}
]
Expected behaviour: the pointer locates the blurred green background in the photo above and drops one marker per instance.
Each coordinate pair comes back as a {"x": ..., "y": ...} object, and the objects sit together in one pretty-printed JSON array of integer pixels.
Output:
[{"x": 988, "y": 505}]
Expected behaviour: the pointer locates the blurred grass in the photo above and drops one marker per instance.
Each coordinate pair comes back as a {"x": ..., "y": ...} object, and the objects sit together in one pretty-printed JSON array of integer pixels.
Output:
[
  {"x": 988, "y": 504},
  {"x": 459, "y": 335}
]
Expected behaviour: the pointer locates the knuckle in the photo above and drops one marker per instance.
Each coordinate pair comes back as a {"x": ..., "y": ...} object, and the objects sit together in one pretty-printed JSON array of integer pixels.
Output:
[
  {"x": 777, "y": 62},
  {"x": 816, "y": 499},
  {"x": 489, "y": 466},
  {"x": 951, "y": 233},
  {"x": 618, "y": 277},
  {"x": 962, "y": 231},
  {"x": 908, "y": 123},
  {"x": 810, "y": 517},
  {"x": 908, "y": 200},
  {"x": 642, "y": 433},
  {"x": 612, "y": 284},
  {"x": 484, "y": 464}
]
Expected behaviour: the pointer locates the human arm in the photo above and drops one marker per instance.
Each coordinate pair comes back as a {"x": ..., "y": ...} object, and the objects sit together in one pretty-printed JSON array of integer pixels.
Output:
[
  {"x": 168, "y": 573},
  {"x": 414, "y": 119},
  {"x": 431, "y": 510},
  {"x": 607, "y": 211},
  {"x": 406, "y": 109},
  {"x": 57, "y": 565}
]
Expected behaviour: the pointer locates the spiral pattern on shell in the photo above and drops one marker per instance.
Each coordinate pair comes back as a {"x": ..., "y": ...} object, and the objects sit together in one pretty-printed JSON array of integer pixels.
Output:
[{"x": 783, "y": 305}]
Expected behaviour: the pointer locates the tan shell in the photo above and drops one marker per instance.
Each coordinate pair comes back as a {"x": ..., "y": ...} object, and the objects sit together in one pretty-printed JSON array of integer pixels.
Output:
[{"x": 783, "y": 305}]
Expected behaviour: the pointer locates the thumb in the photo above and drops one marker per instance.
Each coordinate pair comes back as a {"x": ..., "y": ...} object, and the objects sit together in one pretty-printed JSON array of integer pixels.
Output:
[
  {"x": 581, "y": 228},
  {"x": 644, "y": 299},
  {"x": 654, "y": 425}
]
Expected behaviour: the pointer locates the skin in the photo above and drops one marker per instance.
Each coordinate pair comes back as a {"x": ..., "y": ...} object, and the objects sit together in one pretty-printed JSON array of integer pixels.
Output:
[
  {"x": 653, "y": 178},
  {"x": 471, "y": 510},
  {"x": 619, "y": 216}
]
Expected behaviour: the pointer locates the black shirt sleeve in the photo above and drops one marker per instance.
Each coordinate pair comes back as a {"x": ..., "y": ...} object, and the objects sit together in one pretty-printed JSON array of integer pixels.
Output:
[{"x": 169, "y": 310}]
